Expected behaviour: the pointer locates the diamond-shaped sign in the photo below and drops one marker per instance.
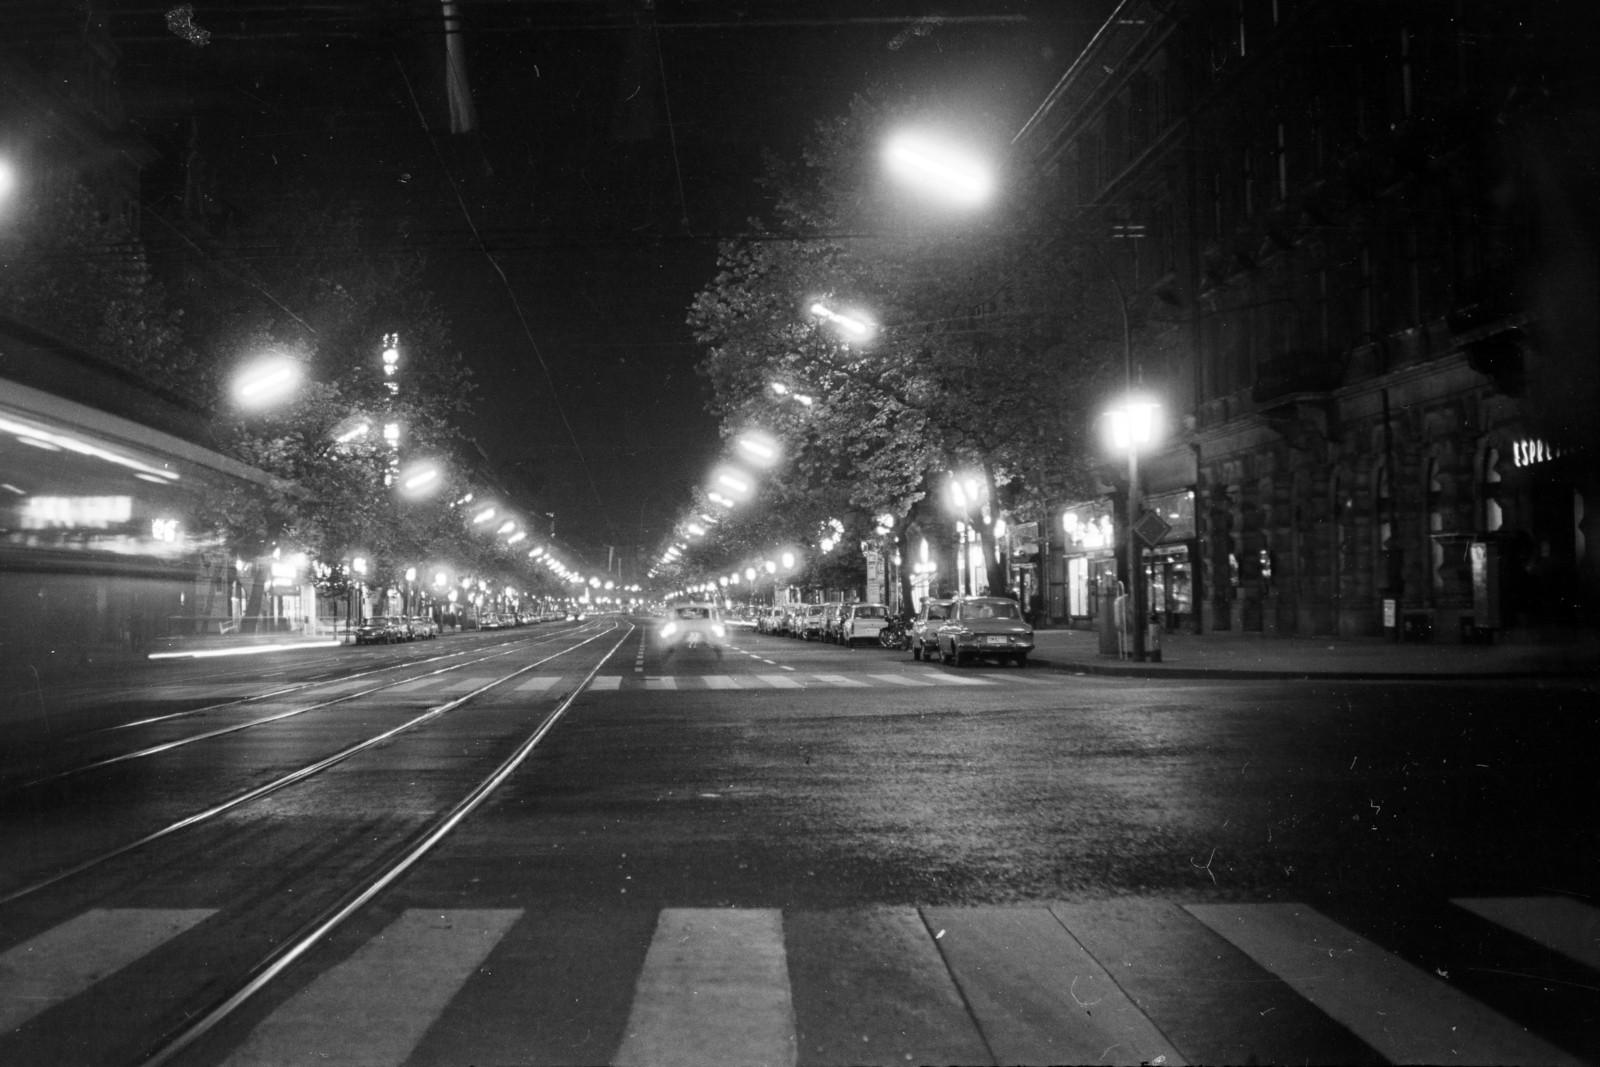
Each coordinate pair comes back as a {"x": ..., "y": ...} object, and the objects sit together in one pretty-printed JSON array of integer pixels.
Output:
[{"x": 1151, "y": 528}]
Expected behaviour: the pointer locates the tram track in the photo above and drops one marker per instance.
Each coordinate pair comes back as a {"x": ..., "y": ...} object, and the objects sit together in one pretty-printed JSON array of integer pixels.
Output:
[
  {"x": 308, "y": 770},
  {"x": 167, "y": 746},
  {"x": 388, "y": 872}
]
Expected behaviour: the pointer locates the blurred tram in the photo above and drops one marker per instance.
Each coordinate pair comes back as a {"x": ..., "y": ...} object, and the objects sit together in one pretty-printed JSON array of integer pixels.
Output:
[{"x": 103, "y": 477}]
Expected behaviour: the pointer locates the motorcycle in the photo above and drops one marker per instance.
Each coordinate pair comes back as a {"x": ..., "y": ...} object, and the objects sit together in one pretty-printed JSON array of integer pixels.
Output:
[{"x": 896, "y": 635}]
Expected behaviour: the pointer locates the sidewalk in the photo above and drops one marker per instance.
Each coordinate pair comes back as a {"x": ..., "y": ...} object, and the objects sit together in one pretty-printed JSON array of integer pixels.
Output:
[{"x": 1245, "y": 656}]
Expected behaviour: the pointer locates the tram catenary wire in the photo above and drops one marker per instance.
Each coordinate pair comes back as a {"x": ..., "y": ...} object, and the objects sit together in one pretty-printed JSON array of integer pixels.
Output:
[{"x": 298, "y": 775}]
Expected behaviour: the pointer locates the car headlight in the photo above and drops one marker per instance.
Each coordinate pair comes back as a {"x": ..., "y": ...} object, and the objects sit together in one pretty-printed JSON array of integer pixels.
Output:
[
  {"x": 718, "y": 630},
  {"x": 669, "y": 629}
]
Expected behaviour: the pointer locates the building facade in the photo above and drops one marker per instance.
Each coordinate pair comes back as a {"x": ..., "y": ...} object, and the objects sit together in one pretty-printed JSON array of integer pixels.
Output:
[{"x": 1336, "y": 224}]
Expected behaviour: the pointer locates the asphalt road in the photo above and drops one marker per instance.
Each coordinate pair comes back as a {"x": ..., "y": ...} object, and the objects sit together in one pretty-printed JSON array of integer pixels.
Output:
[{"x": 791, "y": 852}]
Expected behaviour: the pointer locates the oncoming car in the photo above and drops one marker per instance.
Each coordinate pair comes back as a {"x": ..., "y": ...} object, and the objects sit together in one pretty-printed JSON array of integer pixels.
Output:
[{"x": 693, "y": 626}]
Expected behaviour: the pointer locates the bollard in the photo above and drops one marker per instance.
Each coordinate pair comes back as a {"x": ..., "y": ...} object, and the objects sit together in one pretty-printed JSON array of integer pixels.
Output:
[{"x": 1152, "y": 643}]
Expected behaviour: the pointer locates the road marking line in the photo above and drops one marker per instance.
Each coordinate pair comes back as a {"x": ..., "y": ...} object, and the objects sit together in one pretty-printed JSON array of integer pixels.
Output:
[
  {"x": 841, "y": 681},
  {"x": 67, "y": 959},
  {"x": 350, "y": 685},
  {"x": 537, "y": 683},
  {"x": 467, "y": 685},
  {"x": 720, "y": 681},
  {"x": 949, "y": 679},
  {"x": 420, "y": 683},
  {"x": 1560, "y": 923},
  {"x": 779, "y": 681},
  {"x": 899, "y": 679},
  {"x": 714, "y": 990},
  {"x": 780, "y": 666},
  {"x": 1403, "y": 1012},
  {"x": 375, "y": 1007},
  {"x": 606, "y": 681},
  {"x": 653, "y": 681},
  {"x": 1037, "y": 993}
]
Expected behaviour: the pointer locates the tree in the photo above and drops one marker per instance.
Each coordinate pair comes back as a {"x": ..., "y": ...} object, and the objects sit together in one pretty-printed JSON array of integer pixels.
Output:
[{"x": 984, "y": 359}]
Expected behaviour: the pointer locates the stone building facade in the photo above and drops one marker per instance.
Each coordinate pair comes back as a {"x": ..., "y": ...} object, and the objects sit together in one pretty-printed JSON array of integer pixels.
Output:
[{"x": 1335, "y": 232}]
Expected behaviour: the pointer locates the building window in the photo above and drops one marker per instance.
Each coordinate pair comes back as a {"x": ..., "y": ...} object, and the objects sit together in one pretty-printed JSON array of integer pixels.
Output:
[{"x": 1493, "y": 516}]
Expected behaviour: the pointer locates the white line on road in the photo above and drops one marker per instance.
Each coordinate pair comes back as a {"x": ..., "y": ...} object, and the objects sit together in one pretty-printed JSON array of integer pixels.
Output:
[
  {"x": 67, "y": 959},
  {"x": 373, "y": 1009},
  {"x": 720, "y": 681},
  {"x": 1403, "y": 1012},
  {"x": 537, "y": 683},
  {"x": 606, "y": 681},
  {"x": 714, "y": 990},
  {"x": 660, "y": 682},
  {"x": 840, "y": 681},
  {"x": 1558, "y": 923},
  {"x": 779, "y": 681},
  {"x": 898, "y": 679}
]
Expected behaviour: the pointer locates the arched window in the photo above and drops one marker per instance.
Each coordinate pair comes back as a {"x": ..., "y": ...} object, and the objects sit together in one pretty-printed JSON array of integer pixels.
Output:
[{"x": 1493, "y": 517}]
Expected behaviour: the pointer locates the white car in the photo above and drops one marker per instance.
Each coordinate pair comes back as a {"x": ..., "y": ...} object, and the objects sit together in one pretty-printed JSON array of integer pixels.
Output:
[
  {"x": 693, "y": 626},
  {"x": 861, "y": 622}
]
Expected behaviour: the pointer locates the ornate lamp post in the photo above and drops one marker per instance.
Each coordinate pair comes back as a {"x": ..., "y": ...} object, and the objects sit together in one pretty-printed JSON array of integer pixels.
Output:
[{"x": 1131, "y": 427}]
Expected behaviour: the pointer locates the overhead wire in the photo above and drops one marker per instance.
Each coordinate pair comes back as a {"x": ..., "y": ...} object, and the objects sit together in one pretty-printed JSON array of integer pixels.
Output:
[{"x": 555, "y": 395}]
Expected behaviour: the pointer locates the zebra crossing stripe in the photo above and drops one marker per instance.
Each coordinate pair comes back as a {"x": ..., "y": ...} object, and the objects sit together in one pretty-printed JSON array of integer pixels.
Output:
[
  {"x": 780, "y": 681},
  {"x": 666, "y": 681},
  {"x": 606, "y": 681},
  {"x": 720, "y": 681},
  {"x": 1404, "y": 1013},
  {"x": 1559, "y": 923},
  {"x": 467, "y": 685},
  {"x": 714, "y": 990},
  {"x": 899, "y": 679},
  {"x": 1038, "y": 995},
  {"x": 67, "y": 959},
  {"x": 840, "y": 681},
  {"x": 419, "y": 683},
  {"x": 938, "y": 678},
  {"x": 373, "y": 1009},
  {"x": 540, "y": 683},
  {"x": 349, "y": 686}
]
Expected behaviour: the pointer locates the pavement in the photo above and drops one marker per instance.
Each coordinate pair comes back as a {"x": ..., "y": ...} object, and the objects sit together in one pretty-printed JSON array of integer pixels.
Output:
[{"x": 1255, "y": 656}]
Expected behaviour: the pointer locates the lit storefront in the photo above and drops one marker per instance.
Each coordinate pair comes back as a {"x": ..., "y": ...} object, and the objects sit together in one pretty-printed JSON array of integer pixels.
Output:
[
  {"x": 1169, "y": 565},
  {"x": 1086, "y": 568}
]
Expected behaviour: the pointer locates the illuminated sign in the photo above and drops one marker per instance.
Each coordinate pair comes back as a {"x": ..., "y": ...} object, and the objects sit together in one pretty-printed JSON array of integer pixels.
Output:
[
  {"x": 1527, "y": 453},
  {"x": 164, "y": 529},
  {"x": 76, "y": 512}
]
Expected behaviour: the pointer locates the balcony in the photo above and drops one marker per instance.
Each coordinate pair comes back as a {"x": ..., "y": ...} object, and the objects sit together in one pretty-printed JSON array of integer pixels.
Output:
[{"x": 1295, "y": 376}]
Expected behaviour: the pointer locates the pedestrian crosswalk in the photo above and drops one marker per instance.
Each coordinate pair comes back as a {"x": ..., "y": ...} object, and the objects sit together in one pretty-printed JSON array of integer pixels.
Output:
[
  {"x": 795, "y": 680},
  {"x": 1122, "y": 981}
]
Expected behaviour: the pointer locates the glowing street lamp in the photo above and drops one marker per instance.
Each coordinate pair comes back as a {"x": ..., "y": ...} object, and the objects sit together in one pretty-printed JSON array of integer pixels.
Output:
[
  {"x": 267, "y": 381},
  {"x": 853, "y": 327},
  {"x": 1132, "y": 427},
  {"x": 758, "y": 447},
  {"x": 788, "y": 561},
  {"x": 938, "y": 168},
  {"x": 420, "y": 480}
]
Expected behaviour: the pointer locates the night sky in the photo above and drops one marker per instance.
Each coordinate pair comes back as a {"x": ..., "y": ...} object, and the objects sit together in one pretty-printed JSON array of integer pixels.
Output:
[{"x": 572, "y": 179}]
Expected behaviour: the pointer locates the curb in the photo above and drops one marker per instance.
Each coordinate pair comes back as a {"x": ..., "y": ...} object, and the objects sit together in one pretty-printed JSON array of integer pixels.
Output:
[{"x": 1118, "y": 670}]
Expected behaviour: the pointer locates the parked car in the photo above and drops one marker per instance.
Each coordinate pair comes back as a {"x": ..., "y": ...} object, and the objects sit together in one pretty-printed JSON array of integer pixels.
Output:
[
  {"x": 379, "y": 630},
  {"x": 861, "y": 622},
  {"x": 925, "y": 628},
  {"x": 981, "y": 626},
  {"x": 830, "y": 620},
  {"x": 810, "y": 623},
  {"x": 490, "y": 620},
  {"x": 693, "y": 625},
  {"x": 424, "y": 627}
]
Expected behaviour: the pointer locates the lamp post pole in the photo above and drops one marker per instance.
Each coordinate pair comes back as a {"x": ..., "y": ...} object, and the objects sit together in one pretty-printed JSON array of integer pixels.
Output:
[{"x": 1135, "y": 564}]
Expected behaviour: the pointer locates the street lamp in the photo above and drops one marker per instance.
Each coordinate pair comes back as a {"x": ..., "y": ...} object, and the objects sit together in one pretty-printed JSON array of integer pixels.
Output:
[
  {"x": 852, "y": 327},
  {"x": 267, "y": 381},
  {"x": 1130, "y": 428},
  {"x": 758, "y": 448},
  {"x": 938, "y": 168}
]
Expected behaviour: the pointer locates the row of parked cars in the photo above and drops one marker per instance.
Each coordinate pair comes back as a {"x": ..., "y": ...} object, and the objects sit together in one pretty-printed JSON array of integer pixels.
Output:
[
  {"x": 392, "y": 629},
  {"x": 953, "y": 630},
  {"x": 839, "y": 624}
]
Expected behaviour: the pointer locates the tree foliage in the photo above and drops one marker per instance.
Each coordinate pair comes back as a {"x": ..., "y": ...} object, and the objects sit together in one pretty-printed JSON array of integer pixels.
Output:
[{"x": 991, "y": 339}]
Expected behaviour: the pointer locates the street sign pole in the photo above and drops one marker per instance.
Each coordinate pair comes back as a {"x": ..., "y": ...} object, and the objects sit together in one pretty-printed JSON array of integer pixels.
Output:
[{"x": 1135, "y": 568}]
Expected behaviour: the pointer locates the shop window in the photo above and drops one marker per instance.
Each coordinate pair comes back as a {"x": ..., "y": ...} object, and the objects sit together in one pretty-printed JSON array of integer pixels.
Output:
[
  {"x": 1435, "y": 494},
  {"x": 1493, "y": 516}
]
